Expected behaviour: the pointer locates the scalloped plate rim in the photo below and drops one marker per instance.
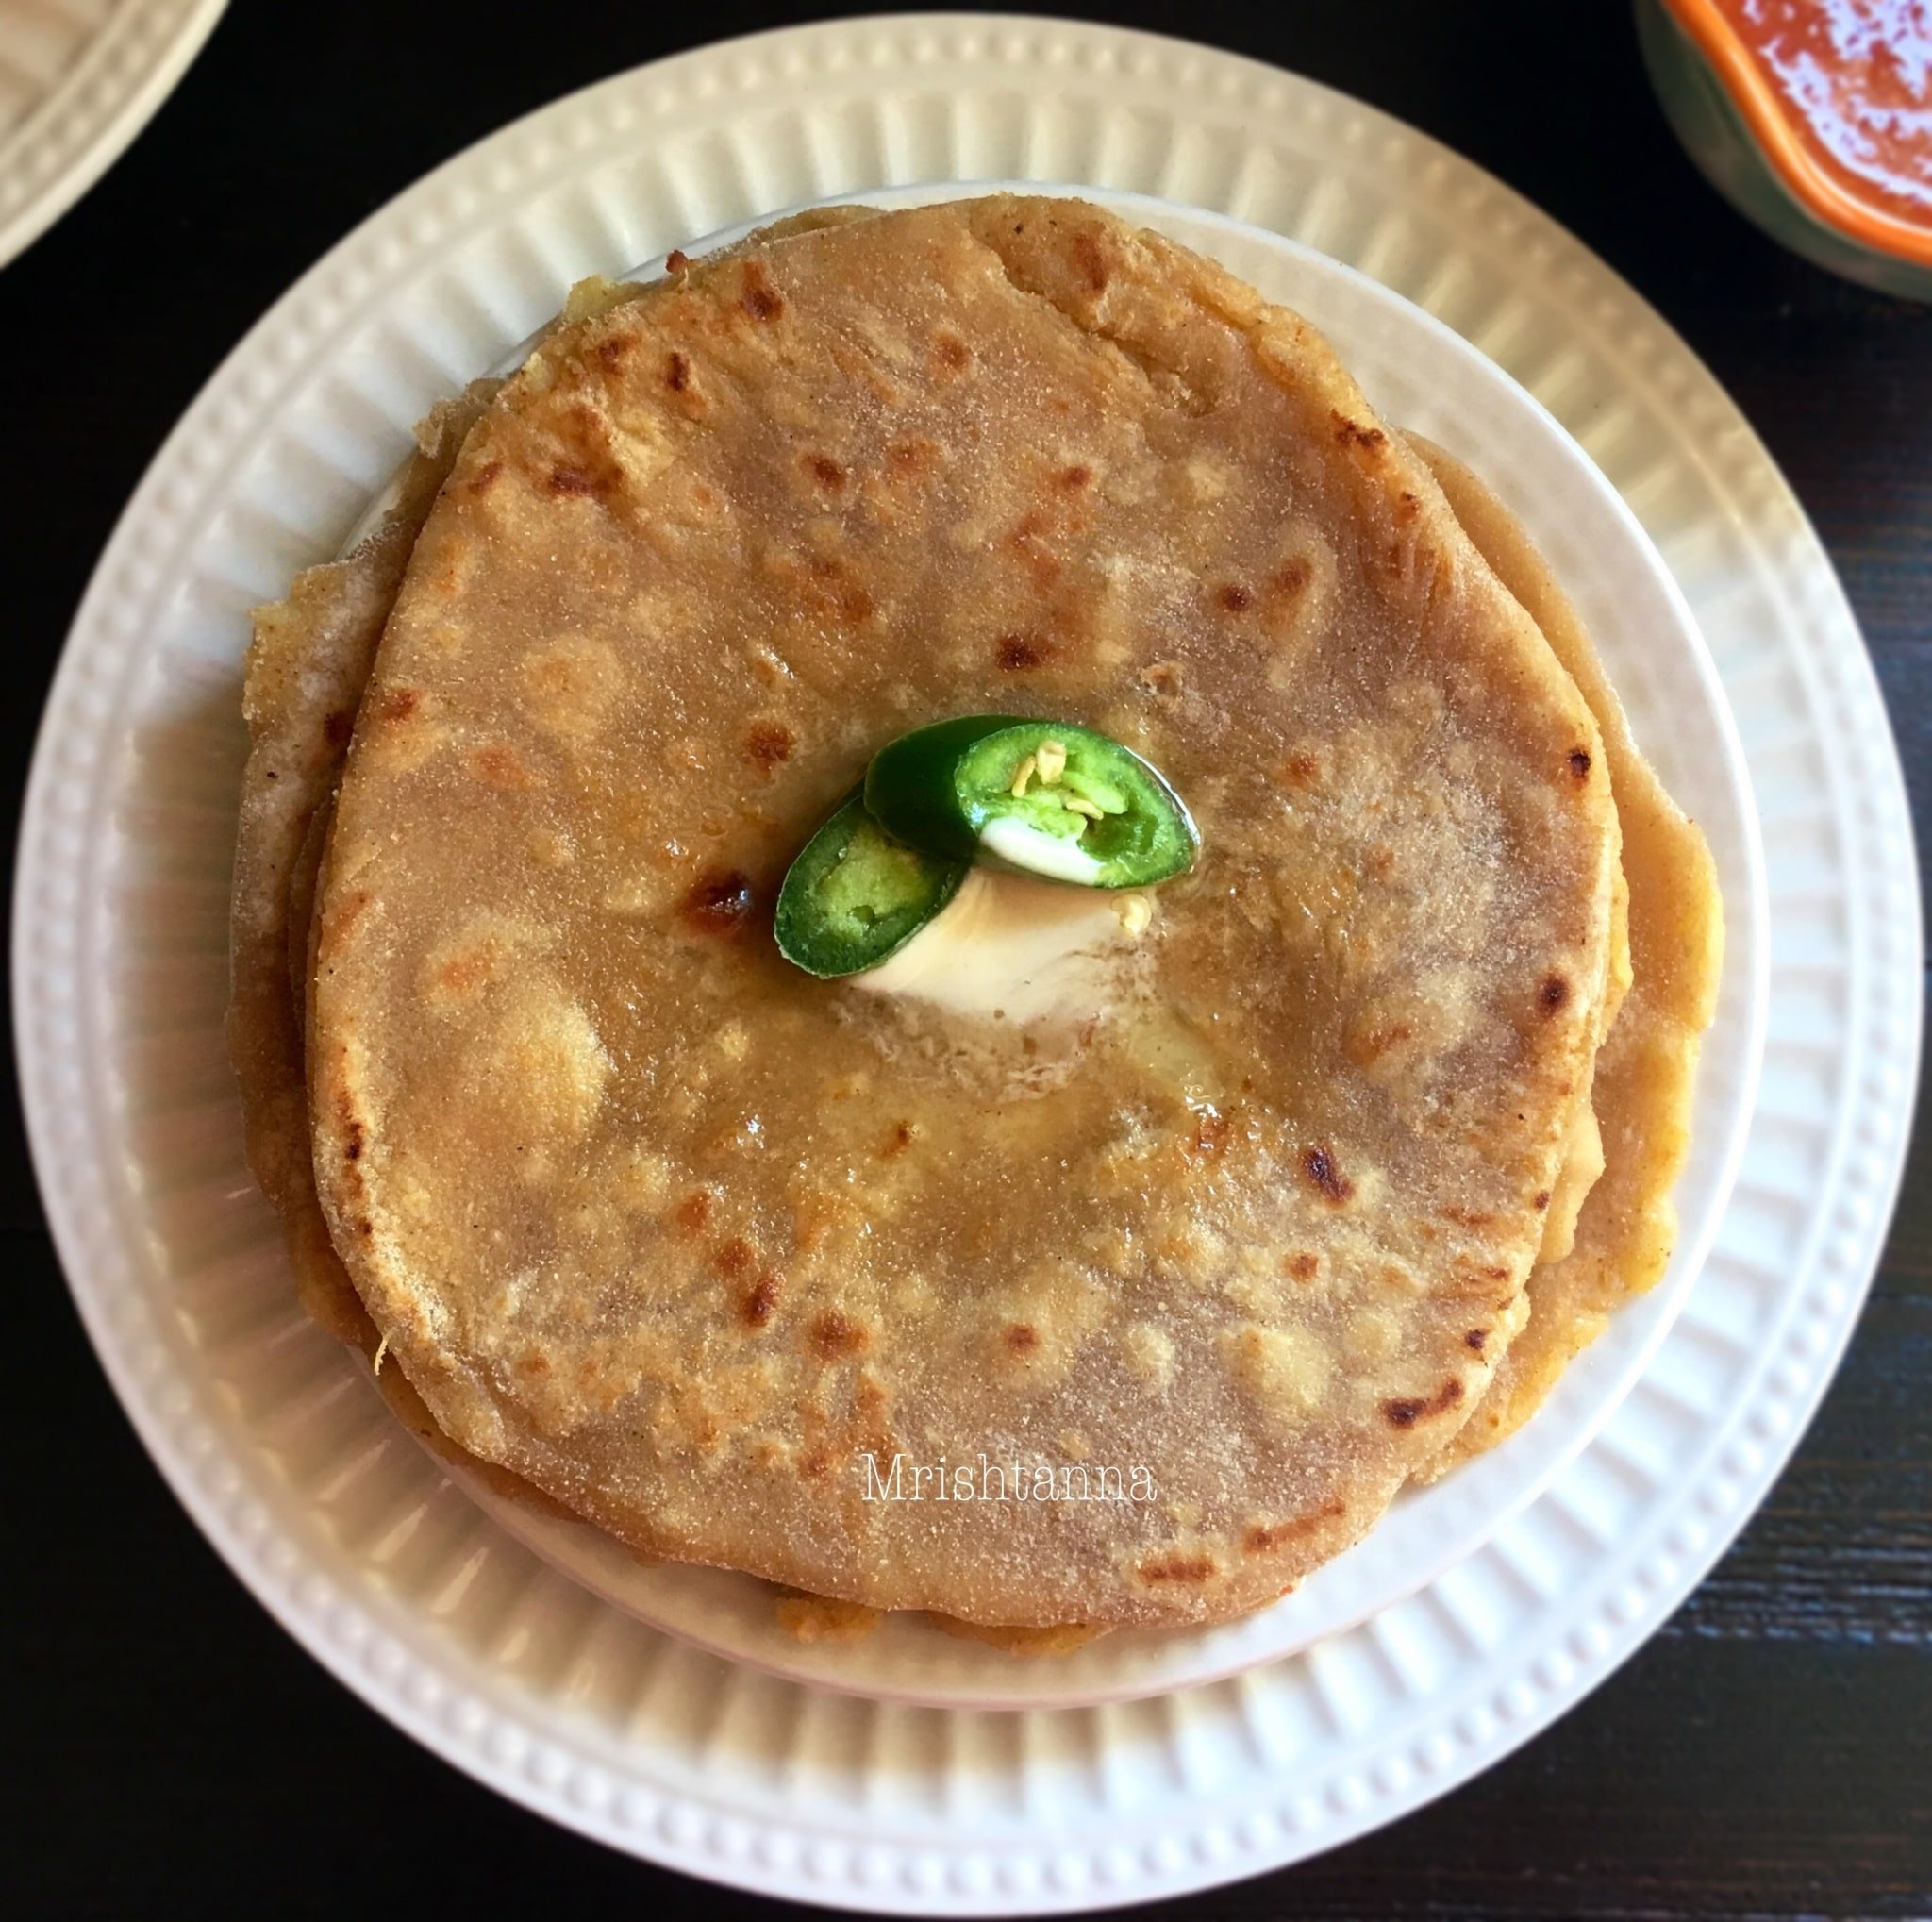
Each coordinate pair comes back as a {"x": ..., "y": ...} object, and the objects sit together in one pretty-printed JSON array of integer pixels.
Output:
[{"x": 106, "y": 143}]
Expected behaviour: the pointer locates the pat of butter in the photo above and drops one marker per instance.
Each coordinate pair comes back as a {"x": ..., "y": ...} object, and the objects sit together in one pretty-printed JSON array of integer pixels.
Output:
[
  {"x": 1031, "y": 851},
  {"x": 1012, "y": 947}
]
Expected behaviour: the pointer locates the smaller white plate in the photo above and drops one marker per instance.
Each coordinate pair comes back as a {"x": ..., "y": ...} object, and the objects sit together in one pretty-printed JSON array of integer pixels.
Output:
[
  {"x": 1419, "y": 373},
  {"x": 78, "y": 79}
]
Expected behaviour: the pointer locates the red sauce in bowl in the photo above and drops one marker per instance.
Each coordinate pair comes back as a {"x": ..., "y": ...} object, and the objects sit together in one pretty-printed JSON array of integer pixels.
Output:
[{"x": 1854, "y": 80}]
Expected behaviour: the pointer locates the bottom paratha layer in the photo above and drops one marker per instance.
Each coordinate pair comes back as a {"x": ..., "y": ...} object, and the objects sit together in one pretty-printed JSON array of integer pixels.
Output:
[{"x": 1646, "y": 1069}]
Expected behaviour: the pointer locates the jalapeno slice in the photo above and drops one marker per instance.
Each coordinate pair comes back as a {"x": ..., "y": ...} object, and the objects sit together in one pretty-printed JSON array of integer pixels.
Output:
[
  {"x": 855, "y": 896},
  {"x": 1041, "y": 796}
]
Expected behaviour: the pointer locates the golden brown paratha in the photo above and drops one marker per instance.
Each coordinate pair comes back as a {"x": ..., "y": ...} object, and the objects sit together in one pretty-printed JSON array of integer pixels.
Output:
[{"x": 697, "y": 560}]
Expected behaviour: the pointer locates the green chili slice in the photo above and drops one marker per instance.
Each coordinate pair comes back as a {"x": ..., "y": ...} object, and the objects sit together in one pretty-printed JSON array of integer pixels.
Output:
[
  {"x": 1044, "y": 797},
  {"x": 855, "y": 896}
]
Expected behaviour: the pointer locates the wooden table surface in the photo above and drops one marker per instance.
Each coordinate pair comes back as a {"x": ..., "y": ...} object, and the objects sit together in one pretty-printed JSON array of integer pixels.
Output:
[{"x": 1768, "y": 1755}]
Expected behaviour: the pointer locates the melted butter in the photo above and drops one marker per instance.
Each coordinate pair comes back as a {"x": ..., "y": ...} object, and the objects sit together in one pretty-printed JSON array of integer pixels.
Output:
[
  {"x": 1027, "y": 847},
  {"x": 1007, "y": 947},
  {"x": 1175, "y": 1058}
]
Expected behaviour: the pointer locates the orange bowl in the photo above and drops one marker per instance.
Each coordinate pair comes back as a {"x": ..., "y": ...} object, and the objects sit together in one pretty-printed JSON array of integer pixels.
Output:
[{"x": 1758, "y": 148}]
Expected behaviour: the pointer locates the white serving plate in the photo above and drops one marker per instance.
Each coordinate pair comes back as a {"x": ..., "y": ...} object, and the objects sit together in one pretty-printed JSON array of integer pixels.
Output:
[
  {"x": 392, "y": 1576},
  {"x": 1416, "y": 372},
  {"x": 78, "y": 79}
]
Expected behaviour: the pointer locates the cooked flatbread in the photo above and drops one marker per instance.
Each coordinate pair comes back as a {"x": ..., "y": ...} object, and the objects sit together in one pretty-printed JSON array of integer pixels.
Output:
[
  {"x": 1645, "y": 1076},
  {"x": 683, "y": 1236}
]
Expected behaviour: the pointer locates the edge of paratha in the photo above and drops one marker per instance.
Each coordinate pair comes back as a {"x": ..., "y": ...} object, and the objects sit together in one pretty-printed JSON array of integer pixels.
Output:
[
  {"x": 308, "y": 661},
  {"x": 1643, "y": 1080}
]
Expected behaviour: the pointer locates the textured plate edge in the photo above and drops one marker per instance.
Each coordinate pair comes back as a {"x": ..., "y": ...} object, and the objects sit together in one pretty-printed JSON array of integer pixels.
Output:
[{"x": 96, "y": 152}]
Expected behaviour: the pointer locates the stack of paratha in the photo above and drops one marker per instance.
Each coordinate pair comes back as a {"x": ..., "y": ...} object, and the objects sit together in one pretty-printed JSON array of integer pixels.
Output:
[{"x": 663, "y": 1230}]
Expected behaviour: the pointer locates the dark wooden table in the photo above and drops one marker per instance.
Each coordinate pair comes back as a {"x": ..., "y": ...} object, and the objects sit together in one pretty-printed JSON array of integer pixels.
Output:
[{"x": 1769, "y": 1754}]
